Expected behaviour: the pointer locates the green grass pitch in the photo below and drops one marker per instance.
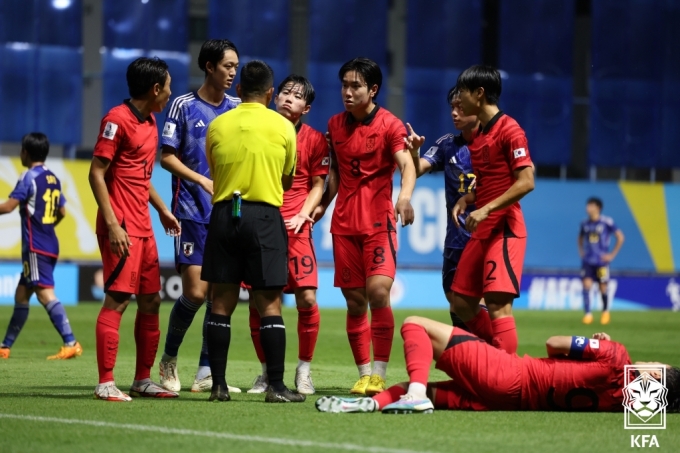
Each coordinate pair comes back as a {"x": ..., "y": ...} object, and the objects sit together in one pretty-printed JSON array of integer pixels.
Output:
[{"x": 59, "y": 414}]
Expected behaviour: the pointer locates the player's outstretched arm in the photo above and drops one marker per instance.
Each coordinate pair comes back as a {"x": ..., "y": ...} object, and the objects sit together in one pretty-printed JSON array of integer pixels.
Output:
[
  {"x": 403, "y": 207},
  {"x": 413, "y": 143},
  {"x": 524, "y": 183},
  {"x": 120, "y": 242},
  {"x": 8, "y": 205},
  {"x": 171, "y": 163},
  {"x": 168, "y": 220}
]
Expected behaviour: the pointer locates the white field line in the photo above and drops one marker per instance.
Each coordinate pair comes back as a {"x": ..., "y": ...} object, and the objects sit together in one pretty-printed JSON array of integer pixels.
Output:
[{"x": 212, "y": 434}]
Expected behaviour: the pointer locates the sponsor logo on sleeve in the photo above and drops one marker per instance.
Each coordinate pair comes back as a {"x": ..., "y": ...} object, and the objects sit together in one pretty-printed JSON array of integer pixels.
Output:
[
  {"x": 430, "y": 152},
  {"x": 110, "y": 130},
  {"x": 169, "y": 129}
]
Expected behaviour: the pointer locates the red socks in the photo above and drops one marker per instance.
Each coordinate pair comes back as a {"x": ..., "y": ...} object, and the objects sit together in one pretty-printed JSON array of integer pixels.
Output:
[
  {"x": 505, "y": 334},
  {"x": 308, "y": 332},
  {"x": 417, "y": 352},
  {"x": 108, "y": 323},
  {"x": 480, "y": 325},
  {"x": 254, "y": 321},
  {"x": 147, "y": 335},
  {"x": 359, "y": 335},
  {"x": 389, "y": 396},
  {"x": 382, "y": 333}
]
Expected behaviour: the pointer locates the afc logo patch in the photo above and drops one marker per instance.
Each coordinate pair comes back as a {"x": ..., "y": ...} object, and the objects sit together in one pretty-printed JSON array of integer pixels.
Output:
[
  {"x": 346, "y": 275},
  {"x": 188, "y": 248},
  {"x": 370, "y": 144}
]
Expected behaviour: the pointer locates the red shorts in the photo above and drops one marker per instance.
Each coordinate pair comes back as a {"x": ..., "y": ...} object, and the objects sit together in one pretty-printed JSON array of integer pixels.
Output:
[
  {"x": 490, "y": 265},
  {"x": 138, "y": 273},
  {"x": 302, "y": 270},
  {"x": 362, "y": 256},
  {"x": 484, "y": 377}
]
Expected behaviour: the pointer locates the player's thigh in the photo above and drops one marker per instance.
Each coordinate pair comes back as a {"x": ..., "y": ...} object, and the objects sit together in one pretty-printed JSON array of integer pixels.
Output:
[
  {"x": 503, "y": 261},
  {"x": 149, "y": 267},
  {"x": 449, "y": 265},
  {"x": 468, "y": 278},
  {"x": 121, "y": 274},
  {"x": 190, "y": 244},
  {"x": 587, "y": 283},
  {"x": 193, "y": 288},
  {"x": 448, "y": 395},
  {"x": 602, "y": 273},
  {"x": 268, "y": 302},
  {"x": 225, "y": 298},
  {"x": 380, "y": 254},
  {"x": 266, "y": 244},
  {"x": 23, "y": 292},
  {"x": 378, "y": 289},
  {"x": 438, "y": 332},
  {"x": 302, "y": 268},
  {"x": 349, "y": 263}
]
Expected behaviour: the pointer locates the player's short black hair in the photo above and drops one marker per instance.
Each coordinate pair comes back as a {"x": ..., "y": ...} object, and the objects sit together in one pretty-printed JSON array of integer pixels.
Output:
[
  {"x": 367, "y": 68},
  {"x": 453, "y": 91},
  {"x": 36, "y": 145},
  {"x": 213, "y": 51},
  {"x": 256, "y": 78},
  {"x": 596, "y": 201},
  {"x": 307, "y": 89},
  {"x": 673, "y": 386},
  {"x": 482, "y": 76},
  {"x": 144, "y": 73}
]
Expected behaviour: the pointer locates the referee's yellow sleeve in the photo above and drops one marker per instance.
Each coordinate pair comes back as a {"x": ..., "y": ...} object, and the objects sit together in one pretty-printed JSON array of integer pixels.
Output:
[
  {"x": 208, "y": 153},
  {"x": 291, "y": 150}
]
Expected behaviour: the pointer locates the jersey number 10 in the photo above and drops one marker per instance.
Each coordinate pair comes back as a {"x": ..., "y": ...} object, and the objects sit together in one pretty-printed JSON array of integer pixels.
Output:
[{"x": 51, "y": 199}]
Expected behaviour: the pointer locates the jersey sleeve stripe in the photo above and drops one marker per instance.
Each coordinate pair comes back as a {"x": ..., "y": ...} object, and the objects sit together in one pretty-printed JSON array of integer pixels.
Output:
[
  {"x": 177, "y": 104},
  {"x": 440, "y": 140}
]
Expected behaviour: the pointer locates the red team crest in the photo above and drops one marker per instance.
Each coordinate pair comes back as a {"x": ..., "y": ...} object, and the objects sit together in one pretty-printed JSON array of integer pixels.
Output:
[
  {"x": 370, "y": 144},
  {"x": 346, "y": 275}
]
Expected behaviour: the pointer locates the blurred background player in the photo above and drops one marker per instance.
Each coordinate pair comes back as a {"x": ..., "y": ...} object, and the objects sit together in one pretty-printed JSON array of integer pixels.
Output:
[
  {"x": 183, "y": 147},
  {"x": 41, "y": 207},
  {"x": 293, "y": 100},
  {"x": 579, "y": 374},
  {"x": 368, "y": 144},
  {"x": 251, "y": 152},
  {"x": 450, "y": 154},
  {"x": 120, "y": 177},
  {"x": 491, "y": 265},
  {"x": 594, "y": 240}
]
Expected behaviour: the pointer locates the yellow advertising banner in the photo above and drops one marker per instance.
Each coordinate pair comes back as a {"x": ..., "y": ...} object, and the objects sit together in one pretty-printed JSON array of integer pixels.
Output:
[{"x": 76, "y": 233}]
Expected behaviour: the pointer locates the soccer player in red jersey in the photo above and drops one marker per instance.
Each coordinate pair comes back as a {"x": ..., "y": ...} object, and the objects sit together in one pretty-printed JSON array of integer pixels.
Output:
[
  {"x": 491, "y": 265},
  {"x": 294, "y": 99},
  {"x": 579, "y": 374},
  {"x": 368, "y": 143},
  {"x": 120, "y": 177}
]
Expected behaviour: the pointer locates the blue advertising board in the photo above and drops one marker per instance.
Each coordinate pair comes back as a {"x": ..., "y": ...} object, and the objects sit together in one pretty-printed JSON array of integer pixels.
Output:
[{"x": 65, "y": 277}]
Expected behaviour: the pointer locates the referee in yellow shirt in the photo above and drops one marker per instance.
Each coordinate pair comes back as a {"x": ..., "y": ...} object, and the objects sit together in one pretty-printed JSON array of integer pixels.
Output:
[{"x": 251, "y": 154}]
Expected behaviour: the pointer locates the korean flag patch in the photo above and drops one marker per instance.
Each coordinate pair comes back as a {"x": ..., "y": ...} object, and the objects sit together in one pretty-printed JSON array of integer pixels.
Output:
[
  {"x": 326, "y": 161},
  {"x": 169, "y": 129},
  {"x": 594, "y": 344},
  {"x": 110, "y": 130},
  {"x": 520, "y": 152}
]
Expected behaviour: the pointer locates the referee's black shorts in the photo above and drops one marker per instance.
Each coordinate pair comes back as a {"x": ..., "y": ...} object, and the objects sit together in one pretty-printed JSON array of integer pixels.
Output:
[{"x": 252, "y": 249}]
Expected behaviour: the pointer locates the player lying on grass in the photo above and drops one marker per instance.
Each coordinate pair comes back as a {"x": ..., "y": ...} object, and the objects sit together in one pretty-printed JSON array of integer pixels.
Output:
[
  {"x": 41, "y": 206},
  {"x": 578, "y": 375}
]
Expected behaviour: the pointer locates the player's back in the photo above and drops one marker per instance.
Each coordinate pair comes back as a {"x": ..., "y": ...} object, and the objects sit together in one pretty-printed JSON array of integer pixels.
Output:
[
  {"x": 185, "y": 129},
  {"x": 365, "y": 154},
  {"x": 41, "y": 199},
  {"x": 592, "y": 384}
]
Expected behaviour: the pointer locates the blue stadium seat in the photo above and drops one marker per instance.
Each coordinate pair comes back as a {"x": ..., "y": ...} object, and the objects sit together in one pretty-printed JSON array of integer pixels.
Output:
[
  {"x": 18, "y": 64},
  {"x": 135, "y": 24},
  {"x": 41, "y": 22}
]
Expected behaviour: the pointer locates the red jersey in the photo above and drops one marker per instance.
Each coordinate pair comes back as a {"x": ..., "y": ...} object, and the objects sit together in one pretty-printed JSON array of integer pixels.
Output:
[
  {"x": 365, "y": 154},
  {"x": 130, "y": 142},
  {"x": 313, "y": 160},
  {"x": 497, "y": 151},
  {"x": 593, "y": 383}
]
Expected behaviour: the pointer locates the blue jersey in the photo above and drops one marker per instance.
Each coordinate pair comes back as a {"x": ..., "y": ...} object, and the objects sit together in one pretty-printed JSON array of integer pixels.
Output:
[
  {"x": 39, "y": 193},
  {"x": 597, "y": 237},
  {"x": 450, "y": 154},
  {"x": 184, "y": 130}
]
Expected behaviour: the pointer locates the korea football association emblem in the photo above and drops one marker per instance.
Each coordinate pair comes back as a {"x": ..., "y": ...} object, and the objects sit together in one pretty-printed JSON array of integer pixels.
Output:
[
  {"x": 370, "y": 144},
  {"x": 645, "y": 397},
  {"x": 188, "y": 248}
]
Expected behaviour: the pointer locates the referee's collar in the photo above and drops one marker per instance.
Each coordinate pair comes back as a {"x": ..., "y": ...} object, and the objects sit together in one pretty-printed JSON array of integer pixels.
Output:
[
  {"x": 136, "y": 112},
  {"x": 366, "y": 121}
]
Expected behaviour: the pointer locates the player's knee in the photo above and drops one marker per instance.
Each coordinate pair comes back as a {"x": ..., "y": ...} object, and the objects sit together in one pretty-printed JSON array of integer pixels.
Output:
[
  {"x": 413, "y": 320},
  {"x": 379, "y": 296},
  {"x": 195, "y": 295},
  {"x": 306, "y": 299}
]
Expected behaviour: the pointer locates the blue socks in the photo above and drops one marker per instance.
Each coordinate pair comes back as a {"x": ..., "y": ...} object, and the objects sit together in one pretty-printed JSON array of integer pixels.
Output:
[
  {"x": 58, "y": 317},
  {"x": 17, "y": 322},
  {"x": 182, "y": 315},
  {"x": 586, "y": 301},
  {"x": 204, "y": 360}
]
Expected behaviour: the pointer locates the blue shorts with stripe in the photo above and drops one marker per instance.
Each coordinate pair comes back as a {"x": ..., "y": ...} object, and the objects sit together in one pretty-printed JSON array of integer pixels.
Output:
[
  {"x": 38, "y": 270},
  {"x": 190, "y": 244}
]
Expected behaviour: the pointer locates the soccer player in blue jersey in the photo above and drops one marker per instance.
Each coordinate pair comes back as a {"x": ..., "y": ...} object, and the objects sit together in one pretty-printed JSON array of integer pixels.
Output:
[
  {"x": 183, "y": 155},
  {"x": 594, "y": 241},
  {"x": 450, "y": 154},
  {"x": 41, "y": 206}
]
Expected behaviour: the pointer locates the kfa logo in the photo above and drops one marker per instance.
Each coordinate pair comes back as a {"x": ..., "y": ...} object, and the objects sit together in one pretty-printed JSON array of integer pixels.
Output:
[
  {"x": 188, "y": 248},
  {"x": 644, "y": 402}
]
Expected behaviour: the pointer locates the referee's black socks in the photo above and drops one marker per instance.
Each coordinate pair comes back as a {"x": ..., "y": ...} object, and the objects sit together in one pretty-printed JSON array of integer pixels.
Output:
[
  {"x": 219, "y": 337},
  {"x": 273, "y": 340}
]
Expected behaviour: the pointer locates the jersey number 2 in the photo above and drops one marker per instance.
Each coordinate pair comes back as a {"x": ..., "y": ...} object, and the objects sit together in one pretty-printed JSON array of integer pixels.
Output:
[{"x": 51, "y": 199}]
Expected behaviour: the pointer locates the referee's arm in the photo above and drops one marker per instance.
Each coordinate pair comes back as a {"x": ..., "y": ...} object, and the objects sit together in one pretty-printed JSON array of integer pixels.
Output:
[
  {"x": 291, "y": 156},
  {"x": 208, "y": 153}
]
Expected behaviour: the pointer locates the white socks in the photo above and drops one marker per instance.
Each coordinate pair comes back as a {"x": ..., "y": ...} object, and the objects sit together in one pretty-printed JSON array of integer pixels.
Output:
[
  {"x": 380, "y": 368},
  {"x": 417, "y": 390},
  {"x": 304, "y": 366},
  {"x": 365, "y": 369}
]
